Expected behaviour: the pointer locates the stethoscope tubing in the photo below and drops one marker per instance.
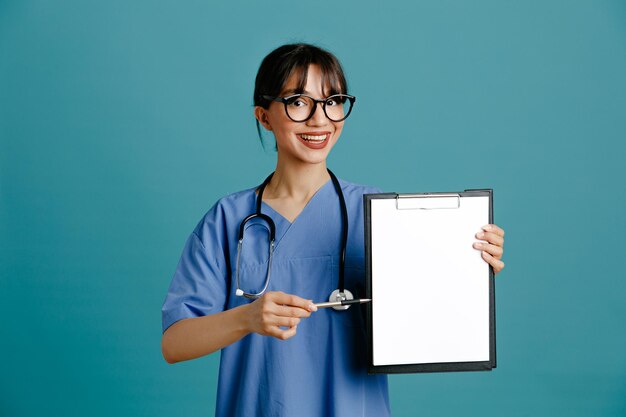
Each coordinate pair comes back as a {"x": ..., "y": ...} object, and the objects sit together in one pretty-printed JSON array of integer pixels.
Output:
[{"x": 272, "y": 227}]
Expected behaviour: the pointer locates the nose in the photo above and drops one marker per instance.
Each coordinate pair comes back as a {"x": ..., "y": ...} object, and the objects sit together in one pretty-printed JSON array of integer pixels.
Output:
[{"x": 318, "y": 118}]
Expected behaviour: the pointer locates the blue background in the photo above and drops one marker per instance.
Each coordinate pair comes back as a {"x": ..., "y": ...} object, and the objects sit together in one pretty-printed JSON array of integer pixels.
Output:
[{"x": 122, "y": 122}]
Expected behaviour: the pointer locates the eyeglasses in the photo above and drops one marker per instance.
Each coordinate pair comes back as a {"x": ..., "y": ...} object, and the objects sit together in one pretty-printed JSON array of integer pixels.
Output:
[{"x": 301, "y": 107}]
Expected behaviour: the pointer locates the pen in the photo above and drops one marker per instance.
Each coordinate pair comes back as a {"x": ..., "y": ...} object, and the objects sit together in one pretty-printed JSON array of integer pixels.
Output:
[{"x": 342, "y": 302}]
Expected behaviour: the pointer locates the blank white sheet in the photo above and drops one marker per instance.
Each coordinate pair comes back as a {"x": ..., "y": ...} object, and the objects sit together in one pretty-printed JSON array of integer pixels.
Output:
[{"x": 430, "y": 287}]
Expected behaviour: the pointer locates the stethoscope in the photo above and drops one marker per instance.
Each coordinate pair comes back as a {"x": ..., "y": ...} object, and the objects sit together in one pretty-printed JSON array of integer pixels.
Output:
[{"x": 338, "y": 295}]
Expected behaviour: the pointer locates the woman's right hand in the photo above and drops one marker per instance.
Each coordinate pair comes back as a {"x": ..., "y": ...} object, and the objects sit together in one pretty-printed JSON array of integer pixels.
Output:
[{"x": 278, "y": 314}]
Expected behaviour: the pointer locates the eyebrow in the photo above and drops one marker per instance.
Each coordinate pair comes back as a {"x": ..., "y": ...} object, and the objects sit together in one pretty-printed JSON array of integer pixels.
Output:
[{"x": 295, "y": 91}]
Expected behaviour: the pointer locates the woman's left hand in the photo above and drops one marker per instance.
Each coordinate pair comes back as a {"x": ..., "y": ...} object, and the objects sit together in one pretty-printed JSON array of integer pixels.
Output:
[{"x": 491, "y": 246}]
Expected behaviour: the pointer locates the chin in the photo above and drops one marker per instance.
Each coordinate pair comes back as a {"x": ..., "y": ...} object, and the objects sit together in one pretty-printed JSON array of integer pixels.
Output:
[{"x": 314, "y": 161}]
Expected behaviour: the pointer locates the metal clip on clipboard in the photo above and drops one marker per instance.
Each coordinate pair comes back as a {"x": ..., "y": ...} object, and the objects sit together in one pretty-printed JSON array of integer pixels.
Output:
[{"x": 427, "y": 201}]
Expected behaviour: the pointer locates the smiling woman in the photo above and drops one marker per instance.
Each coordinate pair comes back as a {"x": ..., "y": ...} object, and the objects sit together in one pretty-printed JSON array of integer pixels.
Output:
[{"x": 280, "y": 356}]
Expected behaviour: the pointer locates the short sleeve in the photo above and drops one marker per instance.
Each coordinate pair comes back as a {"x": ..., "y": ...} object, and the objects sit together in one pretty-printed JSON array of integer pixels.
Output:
[{"x": 199, "y": 286}]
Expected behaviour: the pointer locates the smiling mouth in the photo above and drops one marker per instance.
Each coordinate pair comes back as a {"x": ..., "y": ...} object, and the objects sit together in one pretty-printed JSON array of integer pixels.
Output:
[{"x": 314, "y": 138}]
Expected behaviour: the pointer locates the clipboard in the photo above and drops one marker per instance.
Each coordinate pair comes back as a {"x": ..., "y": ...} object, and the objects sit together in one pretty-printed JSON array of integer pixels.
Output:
[{"x": 433, "y": 296}]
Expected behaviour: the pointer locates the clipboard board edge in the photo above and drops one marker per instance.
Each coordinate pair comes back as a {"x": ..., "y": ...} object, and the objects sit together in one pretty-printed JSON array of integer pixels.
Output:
[
  {"x": 431, "y": 367},
  {"x": 367, "y": 215}
]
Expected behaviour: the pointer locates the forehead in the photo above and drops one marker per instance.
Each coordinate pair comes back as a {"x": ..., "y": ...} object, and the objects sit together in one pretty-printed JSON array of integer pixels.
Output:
[{"x": 310, "y": 80}]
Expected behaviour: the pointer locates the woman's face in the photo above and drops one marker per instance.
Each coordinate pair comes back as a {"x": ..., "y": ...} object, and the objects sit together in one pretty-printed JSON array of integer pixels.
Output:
[{"x": 305, "y": 142}]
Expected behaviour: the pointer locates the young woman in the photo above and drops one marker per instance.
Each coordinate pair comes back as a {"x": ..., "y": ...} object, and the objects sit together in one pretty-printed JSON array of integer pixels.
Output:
[{"x": 254, "y": 300}]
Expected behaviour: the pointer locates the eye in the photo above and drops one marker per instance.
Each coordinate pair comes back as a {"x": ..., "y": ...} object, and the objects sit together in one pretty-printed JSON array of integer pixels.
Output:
[
  {"x": 336, "y": 100},
  {"x": 297, "y": 101}
]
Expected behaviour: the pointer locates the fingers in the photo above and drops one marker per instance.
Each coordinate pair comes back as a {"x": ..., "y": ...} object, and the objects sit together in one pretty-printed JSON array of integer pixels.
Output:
[
  {"x": 493, "y": 250},
  {"x": 277, "y": 326},
  {"x": 494, "y": 229},
  {"x": 287, "y": 311},
  {"x": 496, "y": 264},
  {"x": 292, "y": 300},
  {"x": 279, "y": 314},
  {"x": 280, "y": 333},
  {"x": 286, "y": 321},
  {"x": 283, "y": 334},
  {"x": 491, "y": 237}
]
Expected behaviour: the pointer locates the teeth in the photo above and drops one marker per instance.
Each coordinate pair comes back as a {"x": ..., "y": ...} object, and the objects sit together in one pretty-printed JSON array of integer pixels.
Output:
[{"x": 313, "y": 137}]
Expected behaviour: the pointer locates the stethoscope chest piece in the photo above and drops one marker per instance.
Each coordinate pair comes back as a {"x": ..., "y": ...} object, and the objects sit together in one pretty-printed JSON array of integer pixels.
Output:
[{"x": 340, "y": 296}]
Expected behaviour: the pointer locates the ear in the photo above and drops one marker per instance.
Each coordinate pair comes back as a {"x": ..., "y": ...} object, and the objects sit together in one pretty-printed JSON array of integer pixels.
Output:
[{"x": 261, "y": 115}]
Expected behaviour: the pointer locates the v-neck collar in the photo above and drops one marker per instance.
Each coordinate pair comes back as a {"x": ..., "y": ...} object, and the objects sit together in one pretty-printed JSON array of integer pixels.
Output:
[
  {"x": 313, "y": 197},
  {"x": 282, "y": 224}
]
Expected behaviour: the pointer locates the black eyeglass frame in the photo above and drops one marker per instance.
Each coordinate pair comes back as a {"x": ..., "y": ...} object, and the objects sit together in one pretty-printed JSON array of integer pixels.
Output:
[{"x": 285, "y": 101}]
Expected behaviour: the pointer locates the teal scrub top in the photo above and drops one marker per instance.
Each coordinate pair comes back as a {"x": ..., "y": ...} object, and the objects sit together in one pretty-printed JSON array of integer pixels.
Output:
[{"x": 322, "y": 370}]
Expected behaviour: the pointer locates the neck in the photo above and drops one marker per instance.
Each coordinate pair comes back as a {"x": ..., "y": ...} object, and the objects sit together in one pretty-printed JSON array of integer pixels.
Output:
[{"x": 297, "y": 181}]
